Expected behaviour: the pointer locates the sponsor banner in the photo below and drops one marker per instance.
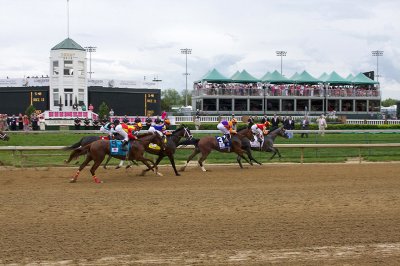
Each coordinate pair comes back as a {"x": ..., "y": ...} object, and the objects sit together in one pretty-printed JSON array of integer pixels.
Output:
[{"x": 107, "y": 83}]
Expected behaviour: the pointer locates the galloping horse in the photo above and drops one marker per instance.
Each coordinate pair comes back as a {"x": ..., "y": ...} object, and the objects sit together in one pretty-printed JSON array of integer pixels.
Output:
[
  {"x": 206, "y": 144},
  {"x": 97, "y": 151},
  {"x": 268, "y": 143},
  {"x": 4, "y": 136},
  {"x": 170, "y": 146},
  {"x": 89, "y": 139}
]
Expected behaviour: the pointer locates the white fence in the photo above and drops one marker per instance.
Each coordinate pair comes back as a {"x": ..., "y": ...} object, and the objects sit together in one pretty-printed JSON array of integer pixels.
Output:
[{"x": 21, "y": 149}]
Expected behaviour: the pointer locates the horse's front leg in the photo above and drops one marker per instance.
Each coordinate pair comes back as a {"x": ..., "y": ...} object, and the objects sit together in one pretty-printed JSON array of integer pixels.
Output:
[
  {"x": 108, "y": 160},
  {"x": 160, "y": 157},
  {"x": 172, "y": 160},
  {"x": 239, "y": 160}
]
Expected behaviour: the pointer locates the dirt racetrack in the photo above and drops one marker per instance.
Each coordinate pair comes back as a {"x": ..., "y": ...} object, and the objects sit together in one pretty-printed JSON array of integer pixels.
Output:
[{"x": 281, "y": 214}]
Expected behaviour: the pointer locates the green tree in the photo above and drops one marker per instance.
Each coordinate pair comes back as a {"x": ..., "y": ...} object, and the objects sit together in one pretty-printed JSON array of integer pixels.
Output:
[
  {"x": 189, "y": 97},
  {"x": 169, "y": 98},
  {"x": 30, "y": 110},
  {"x": 103, "y": 110},
  {"x": 389, "y": 102}
]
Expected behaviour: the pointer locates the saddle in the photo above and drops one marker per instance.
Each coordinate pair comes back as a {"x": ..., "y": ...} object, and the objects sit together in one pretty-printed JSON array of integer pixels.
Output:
[
  {"x": 157, "y": 147},
  {"x": 116, "y": 148}
]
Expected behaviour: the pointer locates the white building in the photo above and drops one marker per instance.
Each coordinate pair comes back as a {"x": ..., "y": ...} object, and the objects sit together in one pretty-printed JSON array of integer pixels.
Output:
[{"x": 68, "y": 76}]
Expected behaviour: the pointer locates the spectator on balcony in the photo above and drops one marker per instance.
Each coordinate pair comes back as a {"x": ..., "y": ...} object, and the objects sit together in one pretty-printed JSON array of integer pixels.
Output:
[
  {"x": 75, "y": 107},
  {"x": 149, "y": 121},
  {"x": 125, "y": 120},
  {"x": 91, "y": 107}
]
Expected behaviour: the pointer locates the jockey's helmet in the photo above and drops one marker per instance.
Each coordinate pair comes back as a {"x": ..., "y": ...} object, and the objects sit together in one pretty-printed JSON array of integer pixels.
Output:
[
  {"x": 225, "y": 123},
  {"x": 267, "y": 123},
  {"x": 139, "y": 125},
  {"x": 157, "y": 121},
  {"x": 116, "y": 122}
]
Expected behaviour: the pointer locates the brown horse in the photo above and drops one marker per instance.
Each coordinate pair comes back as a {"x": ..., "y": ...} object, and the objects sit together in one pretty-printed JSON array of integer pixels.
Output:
[
  {"x": 206, "y": 144},
  {"x": 4, "y": 136},
  {"x": 97, "y": 151}
]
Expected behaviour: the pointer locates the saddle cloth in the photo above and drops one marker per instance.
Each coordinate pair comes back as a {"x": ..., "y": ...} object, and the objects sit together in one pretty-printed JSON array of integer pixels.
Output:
[
  {"x": 155, "y": 146},
  {"x": 256, "y": 143},
  {"x": 116, "y": 148},
  {"x": 221, "y": 143}
]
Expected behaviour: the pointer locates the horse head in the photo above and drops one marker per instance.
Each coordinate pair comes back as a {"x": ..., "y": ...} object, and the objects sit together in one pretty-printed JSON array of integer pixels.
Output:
[{"x": 282, "y": 132}]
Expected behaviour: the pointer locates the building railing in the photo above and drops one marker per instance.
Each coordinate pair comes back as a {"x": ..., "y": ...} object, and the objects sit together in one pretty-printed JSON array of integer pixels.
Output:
[
  {"x": 288, "y": 92},
  {"x": 70, "y": 115}
]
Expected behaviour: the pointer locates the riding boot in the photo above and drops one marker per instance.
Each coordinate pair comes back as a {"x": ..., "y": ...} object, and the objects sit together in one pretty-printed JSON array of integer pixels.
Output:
[{"x": 226, "y": 142}]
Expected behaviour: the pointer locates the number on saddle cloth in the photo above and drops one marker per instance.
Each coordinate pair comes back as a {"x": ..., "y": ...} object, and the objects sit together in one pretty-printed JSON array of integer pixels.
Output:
[
  {"x": 116, "y": 148},
  {"x": 256, "y": 143},
  {"x": 223, "y": 144}
]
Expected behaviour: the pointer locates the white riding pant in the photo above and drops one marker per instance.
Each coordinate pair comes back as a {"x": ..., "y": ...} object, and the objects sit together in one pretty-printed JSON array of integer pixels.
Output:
[
  {"x": 121, "y": 131},
  {"x": 106, "y": 131},
  {"x": 153, "y": 130},
  {"x": 223, "y": 129},
  {"x": 256, "y": 131}
]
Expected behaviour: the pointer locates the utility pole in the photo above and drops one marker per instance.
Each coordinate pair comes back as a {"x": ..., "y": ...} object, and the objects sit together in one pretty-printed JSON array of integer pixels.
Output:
[
  {"x": 281, "y": 54},
  {"x": 186, "y": 51},
  {"x": 377, "y": 53},
  {"x": 90, "y": 49}
]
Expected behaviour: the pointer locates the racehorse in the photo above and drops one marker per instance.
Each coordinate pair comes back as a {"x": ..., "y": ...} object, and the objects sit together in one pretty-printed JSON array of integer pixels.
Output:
[
  {"x": 4, "y": 136},
  {"x": 170, "y": 146},
  {"x": 89, "y": 139},
  {"x": 97, "y": 151},
  {"x": 268, "y": 143},
  {"x": 206, "y": 144}
]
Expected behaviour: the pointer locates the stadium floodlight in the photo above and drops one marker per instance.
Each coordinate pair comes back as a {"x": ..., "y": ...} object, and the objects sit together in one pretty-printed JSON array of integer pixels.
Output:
[
  {"x": 186, "y": 51},
  {"x": 281, "y": 54},
  {"x": 90, "y": 49},
  {"x": 377, "y": 53}
]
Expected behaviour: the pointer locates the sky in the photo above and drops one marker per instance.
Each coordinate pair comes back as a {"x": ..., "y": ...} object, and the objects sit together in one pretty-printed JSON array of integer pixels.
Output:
[{"x": 139, "y": 40}]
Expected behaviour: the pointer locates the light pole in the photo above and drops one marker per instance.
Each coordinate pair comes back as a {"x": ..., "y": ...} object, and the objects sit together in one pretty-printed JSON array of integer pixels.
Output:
[
  {"x": 377, "y": 53},
  {"x": 186, "y": 51},
  {"x": 281, "y": 54},
  {"x": 90, "y": 49}
]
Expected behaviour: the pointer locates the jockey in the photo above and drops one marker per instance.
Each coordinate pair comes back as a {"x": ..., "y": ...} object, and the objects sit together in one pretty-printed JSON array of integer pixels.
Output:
[
  {"x": 136, "y": 128},
  {"x": 233, "y": 123},
  {"x": 260, "y": 129},
  {"x": 226, "y": 128},
  {"x": 108, "y": 128},
  {"x": 120, "y": 130},
  {"x": 160, "y": 127}
]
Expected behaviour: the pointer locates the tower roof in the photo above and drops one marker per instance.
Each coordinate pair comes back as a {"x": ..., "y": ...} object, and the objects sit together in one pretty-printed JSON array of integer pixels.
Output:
[{"x": 68, "y": 44}]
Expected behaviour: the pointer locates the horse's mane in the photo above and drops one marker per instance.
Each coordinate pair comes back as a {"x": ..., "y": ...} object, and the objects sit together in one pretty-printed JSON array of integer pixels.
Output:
[{"x": 178, "y": 129}]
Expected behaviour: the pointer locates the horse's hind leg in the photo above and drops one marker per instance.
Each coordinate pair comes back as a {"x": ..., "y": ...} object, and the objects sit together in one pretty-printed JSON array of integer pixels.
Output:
[
  {"x": 202, "y": 159},
  {"x": 160, "y": 157},
  {"x": 239, "y": 160},
  {"x": 191, "y": 156},
  {"x": 96, "y": 164},
  {"x": 83, "y": 165}
]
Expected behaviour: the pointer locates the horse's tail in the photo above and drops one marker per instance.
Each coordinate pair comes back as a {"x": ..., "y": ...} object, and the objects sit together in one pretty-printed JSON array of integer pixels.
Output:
[
  {"x": 78, "y": 152},
  {"x": 73, "y": 146}
]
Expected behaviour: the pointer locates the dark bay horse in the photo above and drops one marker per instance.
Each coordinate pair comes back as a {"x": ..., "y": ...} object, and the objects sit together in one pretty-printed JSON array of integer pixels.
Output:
[
  {"x": 206, "y": 144},
  {"x": 4, "y": 136},
  {"x": 268, "y": 143},
  {"x": 97, "y": 151},
  {"x": 170, "y": 146}
]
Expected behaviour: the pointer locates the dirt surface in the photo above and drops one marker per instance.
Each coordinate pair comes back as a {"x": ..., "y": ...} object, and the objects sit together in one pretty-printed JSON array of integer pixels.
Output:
[{"x": 281, "y": 214}]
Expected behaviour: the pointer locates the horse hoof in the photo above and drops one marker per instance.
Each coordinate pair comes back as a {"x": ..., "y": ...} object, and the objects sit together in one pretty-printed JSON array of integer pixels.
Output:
[
  {"x": 72, "y": 180},
  {"x": 182, "y": 169},
  {"x": 117, "y": 167},
  {"x": 159, "y": 174},
  {"x": 178, "y": 174}
]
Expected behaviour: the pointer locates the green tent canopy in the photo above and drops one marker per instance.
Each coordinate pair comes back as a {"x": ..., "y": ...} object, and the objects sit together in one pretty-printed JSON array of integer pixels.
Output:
[
  {"x": 237, "y": 73},
  {"x": 245, "y": 77},
  {"x": 294, "y": 77},
  {"x": 335, "y": 78},
  {"x": 350, "y": 77},
  {"x": 214, "y": 76},
  {"x": 323, "y": 77},
  {"x": 305, "y": 77},
  {"x": 276, "y": 77},
  {"x": 360, "y": 78},
  {"x": 265, "y": 76}
]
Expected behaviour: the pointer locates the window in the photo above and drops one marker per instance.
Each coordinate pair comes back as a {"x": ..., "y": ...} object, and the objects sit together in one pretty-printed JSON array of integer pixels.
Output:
[
  {"x": 287, "y": 105},
  {"x": 56, "y": 97},
  {"x": 81, "y": 68},
  {"x": 347, "y": 105},
  {"x": 256, "y": 104},
  {"x": 81, "y": 97},
  {"x": 272, "y": 105},
  {"x": 68, "y": 68},
  {"x": 361, "y": 105},
  {"x": 302, "y": 105},
  {"x": 316, "y": 105},
  {"x": 225, "y": 104},
  {"x": 210, "y": 104},
  {"x": 56, "y": 70},
  {"x": 240, "y": 104},
  {"x": 333, "y": 105}
]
